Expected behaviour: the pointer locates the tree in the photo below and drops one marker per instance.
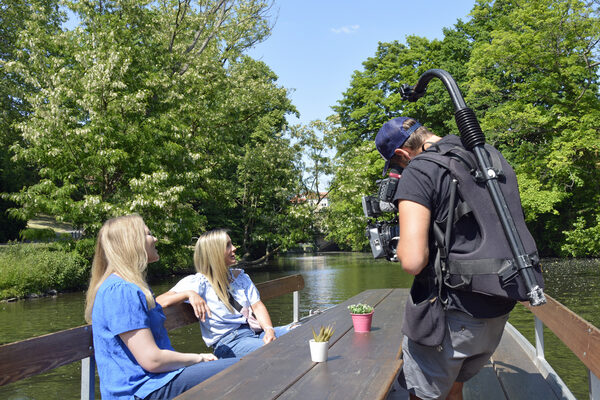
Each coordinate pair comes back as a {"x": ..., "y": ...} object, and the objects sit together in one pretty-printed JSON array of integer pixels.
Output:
[
  {"x": 146, "y": 107},
  {"x": 315, "y": 144},
  {"x": 13, "y": 106},
  {"x": 374, "y": 98},
  {"x": 539, "y": 107}
]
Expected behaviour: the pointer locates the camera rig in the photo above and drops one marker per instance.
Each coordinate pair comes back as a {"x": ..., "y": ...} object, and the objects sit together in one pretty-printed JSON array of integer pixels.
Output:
[
  {"x": 383, "y": 235},
  {"x": 473, "y": 139}
]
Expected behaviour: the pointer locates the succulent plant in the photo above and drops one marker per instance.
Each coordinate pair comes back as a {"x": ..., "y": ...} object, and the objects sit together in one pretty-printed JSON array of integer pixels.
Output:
[{"x": 325, "y": 333}]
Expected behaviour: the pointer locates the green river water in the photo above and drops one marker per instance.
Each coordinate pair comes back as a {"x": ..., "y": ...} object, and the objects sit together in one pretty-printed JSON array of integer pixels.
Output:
[{"x": 329, "y": 279}]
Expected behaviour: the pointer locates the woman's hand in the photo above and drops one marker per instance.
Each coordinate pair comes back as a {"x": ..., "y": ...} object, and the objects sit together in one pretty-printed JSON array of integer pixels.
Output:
[
  {"x": 200, "y": 307},
  {"x": 207, "y": 357},
  {"x": 198, "y": 304},
  {"x": 262, "y": 315},
  {"x": 269, "y": 335}
]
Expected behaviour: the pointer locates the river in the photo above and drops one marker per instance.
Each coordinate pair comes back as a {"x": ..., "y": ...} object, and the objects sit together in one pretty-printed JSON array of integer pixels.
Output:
[{"x": 329, "y": 279}]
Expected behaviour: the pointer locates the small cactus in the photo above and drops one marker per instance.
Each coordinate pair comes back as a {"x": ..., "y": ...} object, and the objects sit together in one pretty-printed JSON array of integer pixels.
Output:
[{"x": 325, "y": 333}]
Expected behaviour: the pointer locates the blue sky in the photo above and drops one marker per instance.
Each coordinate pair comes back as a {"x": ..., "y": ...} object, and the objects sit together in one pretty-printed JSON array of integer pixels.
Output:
[{"x": 316, "y": 45}]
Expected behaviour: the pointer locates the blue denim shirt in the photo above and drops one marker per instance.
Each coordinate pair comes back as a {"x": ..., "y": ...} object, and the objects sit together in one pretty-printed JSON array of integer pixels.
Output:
[{"x": 119, "y": 307}]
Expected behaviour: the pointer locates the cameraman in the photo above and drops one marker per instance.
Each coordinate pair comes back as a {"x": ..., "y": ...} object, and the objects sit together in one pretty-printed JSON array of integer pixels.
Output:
[{"x": 473, "y": 322}]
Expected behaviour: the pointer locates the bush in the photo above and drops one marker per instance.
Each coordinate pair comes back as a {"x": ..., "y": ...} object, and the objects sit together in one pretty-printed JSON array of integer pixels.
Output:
[
  {"x": 38, "y": 268},
  {"x": 37, "y": 235},
  {"x": 173, "y": 259}
]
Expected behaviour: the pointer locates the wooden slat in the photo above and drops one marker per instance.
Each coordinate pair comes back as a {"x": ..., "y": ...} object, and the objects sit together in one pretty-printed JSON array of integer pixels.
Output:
[
  {"x": 179, "y": 315},
  {"x": 519, "y": 376},
  {"x": 280, "y": 286},
  {"x": 30, "y": 357},
  {"x": 345, "y": 379},
  {"x": 284, "y": 361},
  {"x": 33, "y": 356},
  {"x": 576, "y": 333}
]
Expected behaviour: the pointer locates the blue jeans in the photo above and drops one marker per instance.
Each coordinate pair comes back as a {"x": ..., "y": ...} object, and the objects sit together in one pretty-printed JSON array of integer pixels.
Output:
[
  {"x": 190, "y": 377},
  {"x": 243, "y": 340}
]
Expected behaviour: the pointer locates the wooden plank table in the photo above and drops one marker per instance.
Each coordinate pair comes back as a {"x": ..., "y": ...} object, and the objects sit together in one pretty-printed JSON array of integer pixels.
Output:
[{"x": 359, "y": 365}]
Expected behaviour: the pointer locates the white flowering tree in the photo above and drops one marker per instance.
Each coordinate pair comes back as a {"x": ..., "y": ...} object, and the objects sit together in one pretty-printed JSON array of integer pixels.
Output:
[{"x": 145, "y": 107}]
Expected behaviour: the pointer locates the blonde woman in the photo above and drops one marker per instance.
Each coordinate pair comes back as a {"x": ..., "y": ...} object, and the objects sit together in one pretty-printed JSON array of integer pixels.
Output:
[
  {"x": 132, "y": 349},
  {"x": 224, "y": 299}
]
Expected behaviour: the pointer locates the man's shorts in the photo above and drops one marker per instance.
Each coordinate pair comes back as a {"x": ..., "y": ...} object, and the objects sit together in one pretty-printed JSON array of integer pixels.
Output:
[{"x": 429, "y": 372}]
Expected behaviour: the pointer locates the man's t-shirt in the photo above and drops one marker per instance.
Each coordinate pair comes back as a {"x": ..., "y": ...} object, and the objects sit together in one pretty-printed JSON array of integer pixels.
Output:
[{"x": 428, "y": 184}]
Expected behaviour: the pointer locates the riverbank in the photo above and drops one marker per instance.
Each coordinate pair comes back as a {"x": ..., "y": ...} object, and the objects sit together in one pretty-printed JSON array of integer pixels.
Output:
[{"x": 34, "y": 269}]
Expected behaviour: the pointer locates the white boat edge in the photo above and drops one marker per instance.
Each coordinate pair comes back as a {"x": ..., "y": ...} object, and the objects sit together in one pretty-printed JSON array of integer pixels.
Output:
[{"x": 556, "y": 383}]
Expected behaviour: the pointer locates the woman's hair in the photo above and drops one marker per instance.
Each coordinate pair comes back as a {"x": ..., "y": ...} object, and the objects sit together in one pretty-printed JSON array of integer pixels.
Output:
[
  {"x": 209, "y": 260},
  {"x": 418, "y": 137},
  {"x": 121, "y": 249}
]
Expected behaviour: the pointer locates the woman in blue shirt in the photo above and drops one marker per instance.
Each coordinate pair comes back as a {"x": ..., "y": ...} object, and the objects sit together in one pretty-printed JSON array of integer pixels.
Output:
[
  {"x": 133, "y": 352},
  {"x": 233, "y": 319}
]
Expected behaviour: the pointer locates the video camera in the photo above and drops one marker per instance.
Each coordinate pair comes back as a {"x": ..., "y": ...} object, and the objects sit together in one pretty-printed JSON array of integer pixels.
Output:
[{"x": 383, "y": 235}]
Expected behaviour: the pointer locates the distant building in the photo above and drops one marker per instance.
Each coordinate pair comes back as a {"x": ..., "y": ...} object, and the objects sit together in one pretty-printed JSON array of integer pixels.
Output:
[{"x": 312, "y": 199}]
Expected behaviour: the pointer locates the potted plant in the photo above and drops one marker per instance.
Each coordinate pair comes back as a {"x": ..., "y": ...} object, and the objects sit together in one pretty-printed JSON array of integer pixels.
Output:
[
  {"x": 362, "y": 316},
  {"x": 319, "y": 344}
]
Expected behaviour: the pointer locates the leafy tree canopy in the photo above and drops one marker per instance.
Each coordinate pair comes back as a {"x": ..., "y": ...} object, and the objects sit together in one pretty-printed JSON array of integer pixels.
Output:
[
  {"x": 529, "y": 69},
  {"x": 152, "y": 108}
]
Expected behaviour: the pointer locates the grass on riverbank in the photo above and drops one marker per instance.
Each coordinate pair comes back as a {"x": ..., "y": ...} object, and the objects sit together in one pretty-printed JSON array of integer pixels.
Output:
[
  {"x": 62, "y": 263},
  {"x": 39, "y": 268}
]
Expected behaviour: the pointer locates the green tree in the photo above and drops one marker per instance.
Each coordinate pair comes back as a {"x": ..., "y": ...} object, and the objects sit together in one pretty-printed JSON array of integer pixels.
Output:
[
  {"x": 538, "y": 106},
  {"x": 374, "y": 98},
  {"x": 146, "y": 107},
  {"x": 315, "y": 143},
  {"x": 14, "y": 108},
  {"x": 541, "y": 108}
]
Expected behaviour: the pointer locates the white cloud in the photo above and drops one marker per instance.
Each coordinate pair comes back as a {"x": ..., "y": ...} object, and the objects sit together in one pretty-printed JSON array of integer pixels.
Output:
[{"x": 348, "y": 29}]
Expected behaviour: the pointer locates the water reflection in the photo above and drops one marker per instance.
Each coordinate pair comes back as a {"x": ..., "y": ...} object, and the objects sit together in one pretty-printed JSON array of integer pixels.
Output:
[{"x": 329, "y": 280}]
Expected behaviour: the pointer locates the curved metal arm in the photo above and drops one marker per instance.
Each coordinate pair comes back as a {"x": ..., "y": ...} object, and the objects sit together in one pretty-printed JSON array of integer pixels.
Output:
[{"x": 414, "y": 93}]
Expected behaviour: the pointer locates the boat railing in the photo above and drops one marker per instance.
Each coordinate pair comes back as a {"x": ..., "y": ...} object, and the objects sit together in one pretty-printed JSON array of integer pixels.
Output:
[
  {"x": 23, "y": 359},
  {"x": 581, "y": 337}
]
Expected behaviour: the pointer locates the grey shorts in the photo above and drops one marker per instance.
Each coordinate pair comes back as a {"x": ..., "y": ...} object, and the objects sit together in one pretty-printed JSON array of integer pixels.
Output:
[{"x": 429, "y": 372}]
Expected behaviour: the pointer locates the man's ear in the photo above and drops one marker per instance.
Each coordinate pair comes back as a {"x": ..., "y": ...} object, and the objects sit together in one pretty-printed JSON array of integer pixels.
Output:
[{"x": 403, "y": 154}]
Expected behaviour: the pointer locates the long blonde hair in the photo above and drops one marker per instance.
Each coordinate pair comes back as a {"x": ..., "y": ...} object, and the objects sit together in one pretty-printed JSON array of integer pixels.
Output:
[
  {"x": 121, "y": 249},
  {"x": 209, "y": 260}
]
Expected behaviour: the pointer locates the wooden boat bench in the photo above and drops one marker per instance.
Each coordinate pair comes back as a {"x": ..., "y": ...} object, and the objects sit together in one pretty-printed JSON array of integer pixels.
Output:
[{"x": 20, "y": 360}]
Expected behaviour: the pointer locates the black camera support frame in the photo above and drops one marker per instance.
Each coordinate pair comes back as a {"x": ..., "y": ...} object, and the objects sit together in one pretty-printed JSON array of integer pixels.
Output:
[{"x": 473, "y": 140}]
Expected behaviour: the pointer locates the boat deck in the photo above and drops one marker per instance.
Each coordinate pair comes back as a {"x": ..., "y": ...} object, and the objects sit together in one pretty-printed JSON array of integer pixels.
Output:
[{"x": 511, "y": 374}]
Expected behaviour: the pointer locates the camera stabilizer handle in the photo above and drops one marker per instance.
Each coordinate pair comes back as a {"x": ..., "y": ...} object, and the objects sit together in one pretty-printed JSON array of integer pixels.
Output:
[{"x": 473, "y": 140}]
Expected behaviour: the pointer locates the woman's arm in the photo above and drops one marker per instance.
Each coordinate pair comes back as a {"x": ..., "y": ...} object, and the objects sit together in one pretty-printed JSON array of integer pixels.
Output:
[
  {"x": 264, "y": 319},
  {"x": 153, "y": 359},
  {"x": 200, "y": 307}
]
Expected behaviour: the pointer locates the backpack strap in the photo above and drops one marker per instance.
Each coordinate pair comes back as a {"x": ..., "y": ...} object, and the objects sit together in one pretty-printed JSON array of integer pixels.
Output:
[{"x": 234, "y": 303}]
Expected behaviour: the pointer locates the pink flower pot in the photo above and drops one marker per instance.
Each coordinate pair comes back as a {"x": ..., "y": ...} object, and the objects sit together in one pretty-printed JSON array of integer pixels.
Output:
[{"x": 362, "y": 322}]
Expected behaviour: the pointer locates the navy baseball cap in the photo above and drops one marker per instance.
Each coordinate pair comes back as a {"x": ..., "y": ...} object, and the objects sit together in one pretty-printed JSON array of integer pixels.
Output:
[{"x": 392, "y": 136}]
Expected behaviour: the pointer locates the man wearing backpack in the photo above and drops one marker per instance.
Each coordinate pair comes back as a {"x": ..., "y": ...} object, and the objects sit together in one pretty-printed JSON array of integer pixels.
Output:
[{"x": 449, "y": 333}]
